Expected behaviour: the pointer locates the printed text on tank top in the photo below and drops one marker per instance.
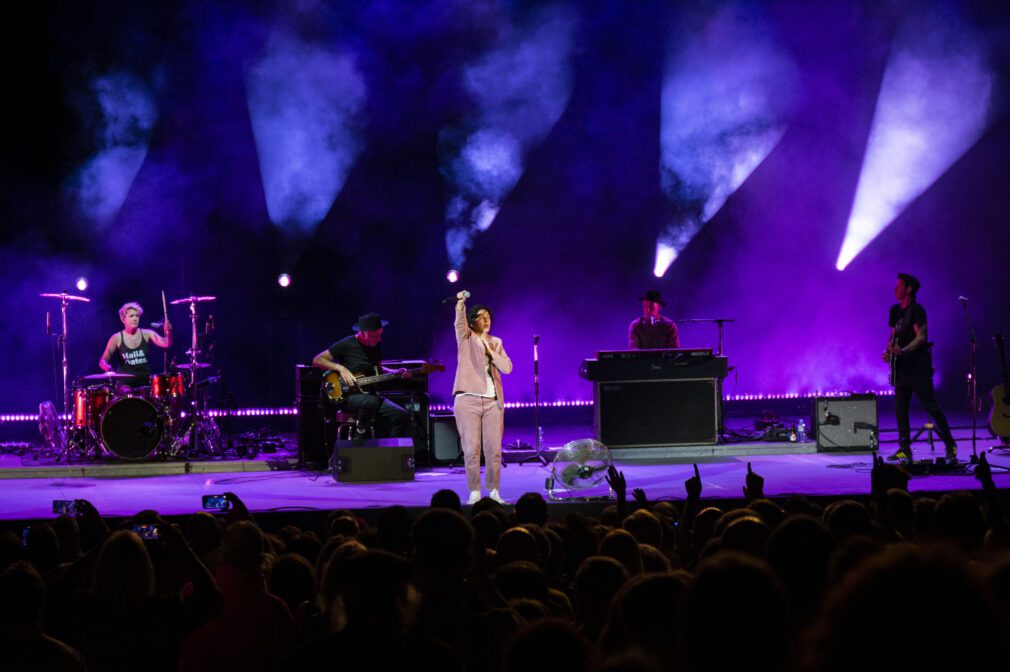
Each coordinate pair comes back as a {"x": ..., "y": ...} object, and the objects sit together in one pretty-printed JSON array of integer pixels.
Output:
[{"x": 133, "y": 355}]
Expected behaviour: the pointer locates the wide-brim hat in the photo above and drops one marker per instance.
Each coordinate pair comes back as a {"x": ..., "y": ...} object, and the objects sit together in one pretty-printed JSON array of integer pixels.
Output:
[
  {"x": 369, "y": 322},
  {"x": 654, "y": 296}
]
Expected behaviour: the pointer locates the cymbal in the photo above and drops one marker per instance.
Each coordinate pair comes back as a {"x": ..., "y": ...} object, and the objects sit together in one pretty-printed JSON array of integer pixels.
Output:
[
  {"x": 64, "y": 295},
  {"x": 106, "y": 377},
  {"x": 194, "y": 299},
  {"x": 187, "y": 366}
]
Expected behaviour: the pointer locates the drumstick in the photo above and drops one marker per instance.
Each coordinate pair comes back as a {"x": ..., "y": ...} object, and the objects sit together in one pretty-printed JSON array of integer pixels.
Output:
[{"x": 164, "y": 306}]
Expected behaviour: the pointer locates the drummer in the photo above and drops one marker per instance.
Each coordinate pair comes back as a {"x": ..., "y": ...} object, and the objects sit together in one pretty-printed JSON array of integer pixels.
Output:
[{"x": 127, "y": 350}]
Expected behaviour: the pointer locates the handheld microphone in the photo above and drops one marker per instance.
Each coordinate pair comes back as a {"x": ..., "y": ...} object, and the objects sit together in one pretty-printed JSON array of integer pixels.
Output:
[
  {"x": 963, "y": 299},
  {"x": 49, "y": 325},
  {"x": 454, "y": 298}
]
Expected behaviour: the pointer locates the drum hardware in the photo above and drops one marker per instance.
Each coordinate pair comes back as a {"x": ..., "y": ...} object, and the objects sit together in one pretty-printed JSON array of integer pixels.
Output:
[
  {"x": 109, "y": 377},
  {"x": 61, "y": 339},
  {"x": 132, "y": 427},
  {"x": 197, "y": 432}
]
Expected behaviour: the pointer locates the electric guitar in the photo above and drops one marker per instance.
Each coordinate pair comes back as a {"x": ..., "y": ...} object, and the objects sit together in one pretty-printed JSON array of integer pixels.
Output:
[
  {"x": 336, "y": 389},
  {"x": 999, "y": 421}
]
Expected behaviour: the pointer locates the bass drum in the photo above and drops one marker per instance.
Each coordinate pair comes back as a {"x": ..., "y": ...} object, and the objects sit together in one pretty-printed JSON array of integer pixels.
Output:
[{"x": 131, "y": 427}]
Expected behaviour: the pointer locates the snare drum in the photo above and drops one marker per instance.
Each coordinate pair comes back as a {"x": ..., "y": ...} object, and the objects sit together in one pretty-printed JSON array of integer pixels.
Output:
[
  {"x": 88, "y": 405},
  {"x": 164, "y": 385},
  {"x": 131, "y": 427}
]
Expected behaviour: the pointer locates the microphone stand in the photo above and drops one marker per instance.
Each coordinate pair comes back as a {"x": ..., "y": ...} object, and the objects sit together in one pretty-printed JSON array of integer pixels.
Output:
[
  {"x": 538, "y": 454},
  {"x": 972, "y": 381},
  {"x": 720, "y": 323}
]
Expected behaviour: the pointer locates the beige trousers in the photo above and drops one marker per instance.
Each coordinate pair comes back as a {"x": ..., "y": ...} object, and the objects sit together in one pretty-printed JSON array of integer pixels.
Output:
[{"x": 480, "y": 423}]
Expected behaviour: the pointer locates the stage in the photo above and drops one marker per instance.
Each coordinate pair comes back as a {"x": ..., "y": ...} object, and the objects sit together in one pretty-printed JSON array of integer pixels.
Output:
[{"x": 275, "y": 487}]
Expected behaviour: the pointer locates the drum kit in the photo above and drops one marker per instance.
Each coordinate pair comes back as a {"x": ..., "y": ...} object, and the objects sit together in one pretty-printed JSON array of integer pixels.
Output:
[{"x": 102, "y": 417}]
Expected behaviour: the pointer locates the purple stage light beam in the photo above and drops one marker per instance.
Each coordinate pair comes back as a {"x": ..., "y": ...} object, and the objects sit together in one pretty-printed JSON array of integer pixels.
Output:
[
  {"x": 726, "y": 95},
  {"x": 932, "y": 107},
  {"x": 520, "y": 87},
  {"x": 306, "y": 103},
  {"x": 123, "y": 133}
]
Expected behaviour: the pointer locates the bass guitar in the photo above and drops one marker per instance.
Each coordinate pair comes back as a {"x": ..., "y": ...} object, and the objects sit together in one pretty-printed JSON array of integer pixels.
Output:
[
  {"x": 999, "y": 420},
  {"x": 335, "y": 389}
]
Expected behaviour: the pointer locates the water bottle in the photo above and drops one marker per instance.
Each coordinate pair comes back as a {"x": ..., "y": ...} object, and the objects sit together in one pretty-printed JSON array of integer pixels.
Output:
[{"x": 801, "y": 431}]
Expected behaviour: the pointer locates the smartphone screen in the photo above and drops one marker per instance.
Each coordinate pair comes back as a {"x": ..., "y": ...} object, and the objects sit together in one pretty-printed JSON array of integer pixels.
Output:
[
  {"x": 64, "y": 506},
  {"x": 215, "y": 502},
  {"x": 25, "y": 531},
  {"x": 147, "y": 532}
]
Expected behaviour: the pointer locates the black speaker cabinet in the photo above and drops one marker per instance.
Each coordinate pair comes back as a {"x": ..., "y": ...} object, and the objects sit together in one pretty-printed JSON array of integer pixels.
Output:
[
  {"x": 373, "y": 460},
  {"x": 312, "y": 444},
  {"x": 846, "y": 423},
  {"x": 657, "y": 413},
  {"x": 445, "y": 445}
]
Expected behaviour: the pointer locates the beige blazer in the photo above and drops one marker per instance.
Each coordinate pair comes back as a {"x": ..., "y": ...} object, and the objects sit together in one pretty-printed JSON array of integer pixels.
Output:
[{"x": 471, "y": 359}]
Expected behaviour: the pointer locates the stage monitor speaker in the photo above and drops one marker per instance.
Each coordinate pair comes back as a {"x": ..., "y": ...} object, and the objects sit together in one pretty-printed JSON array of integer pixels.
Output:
[
  {"x": 657, "y": 413},
  {"x": 846, "y": 423},
  {"x": 373, "y": 460},
  {"x": 445, "y": 445},
  {"x": 415, "y": 403}
]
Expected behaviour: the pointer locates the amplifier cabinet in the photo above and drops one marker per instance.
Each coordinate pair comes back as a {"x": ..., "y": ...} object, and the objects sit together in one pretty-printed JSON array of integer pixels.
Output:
[
  {"x": 846, "y": 423},
  {"x": 656, "y": 413}
]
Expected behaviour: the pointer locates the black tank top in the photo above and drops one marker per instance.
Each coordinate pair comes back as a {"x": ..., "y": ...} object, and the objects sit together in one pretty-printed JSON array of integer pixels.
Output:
[{"x": 134, "y": 360}]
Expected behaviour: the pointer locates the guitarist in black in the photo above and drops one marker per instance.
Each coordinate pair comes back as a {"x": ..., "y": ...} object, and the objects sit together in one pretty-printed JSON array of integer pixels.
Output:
[
  {"x": 908, "y": 350},
  {"x": 357, "y": 355}
]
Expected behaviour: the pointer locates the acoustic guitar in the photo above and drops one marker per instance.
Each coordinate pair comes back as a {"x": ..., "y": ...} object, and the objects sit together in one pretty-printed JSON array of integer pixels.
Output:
[
  {"x": 335, "y": 389},
  {"x": 999, "y": 421}
]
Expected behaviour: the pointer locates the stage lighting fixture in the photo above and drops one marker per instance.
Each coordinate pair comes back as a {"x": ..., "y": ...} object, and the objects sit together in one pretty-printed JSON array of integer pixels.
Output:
[
  {"x": 307, "y": 106},
  {"x": 726, "y": 100},
  {"x": 81, "y": 283},
  {"x": 284, "y": 280},
  {"x": 452, "y": 275},
  {"x": 665, "y": 254},
  {"x": 932, "y": 107}
]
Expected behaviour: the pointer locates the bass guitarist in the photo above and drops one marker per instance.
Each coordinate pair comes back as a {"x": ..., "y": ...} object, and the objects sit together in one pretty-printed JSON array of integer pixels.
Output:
[
  {"x": 358, "y": 355},
  {"x": 908, "y": 350}
]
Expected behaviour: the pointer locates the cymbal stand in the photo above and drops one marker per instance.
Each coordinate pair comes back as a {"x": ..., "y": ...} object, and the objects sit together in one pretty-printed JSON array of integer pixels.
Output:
[
  {"x": 66, "y": 419},
  {"x": 199, "y": 432}
]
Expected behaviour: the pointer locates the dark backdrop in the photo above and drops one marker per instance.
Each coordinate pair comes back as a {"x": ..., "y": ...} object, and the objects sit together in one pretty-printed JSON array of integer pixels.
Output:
[{"x": 567, "y": 256}]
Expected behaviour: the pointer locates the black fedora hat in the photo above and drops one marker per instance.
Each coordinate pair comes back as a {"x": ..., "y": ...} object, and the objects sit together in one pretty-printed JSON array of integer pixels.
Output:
[
  {"x": 369, "y": 322},
  {"x": 654, "y": 296}
]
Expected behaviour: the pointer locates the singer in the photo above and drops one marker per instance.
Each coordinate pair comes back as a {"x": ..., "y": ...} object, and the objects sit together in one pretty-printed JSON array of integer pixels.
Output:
[
  {"x": 908, "y": 348},
  {"x": 127, "y": 350},
  {"x": 652, "y": 331},
  {"x": 477, "y": 391}
]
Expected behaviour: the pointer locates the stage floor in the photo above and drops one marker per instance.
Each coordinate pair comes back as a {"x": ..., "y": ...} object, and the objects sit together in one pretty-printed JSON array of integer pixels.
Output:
[{"x": 276, "y": 486}]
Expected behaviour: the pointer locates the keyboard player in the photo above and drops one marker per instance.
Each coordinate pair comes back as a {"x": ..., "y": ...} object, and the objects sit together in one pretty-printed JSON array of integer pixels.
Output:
[{"x": 652, "y": 331}]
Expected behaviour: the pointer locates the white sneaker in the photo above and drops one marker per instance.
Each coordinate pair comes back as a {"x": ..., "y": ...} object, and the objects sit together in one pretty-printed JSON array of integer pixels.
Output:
[
  {"x": 496, "y": 497},
  {"x": 474, "y": 497}
]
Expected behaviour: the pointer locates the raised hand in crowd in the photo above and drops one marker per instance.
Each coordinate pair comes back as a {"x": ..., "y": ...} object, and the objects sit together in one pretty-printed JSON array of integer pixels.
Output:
[
  {"x": 755, "y": 485},
  {"x": 93, "y": 528},
  {"x": 693, "y": 485},
  {"x": 617, "y": 483},
  {"x": 236, "y": 510},
  {"x": 641, "y": 501},
  {"x": 999, "y": 531}
]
